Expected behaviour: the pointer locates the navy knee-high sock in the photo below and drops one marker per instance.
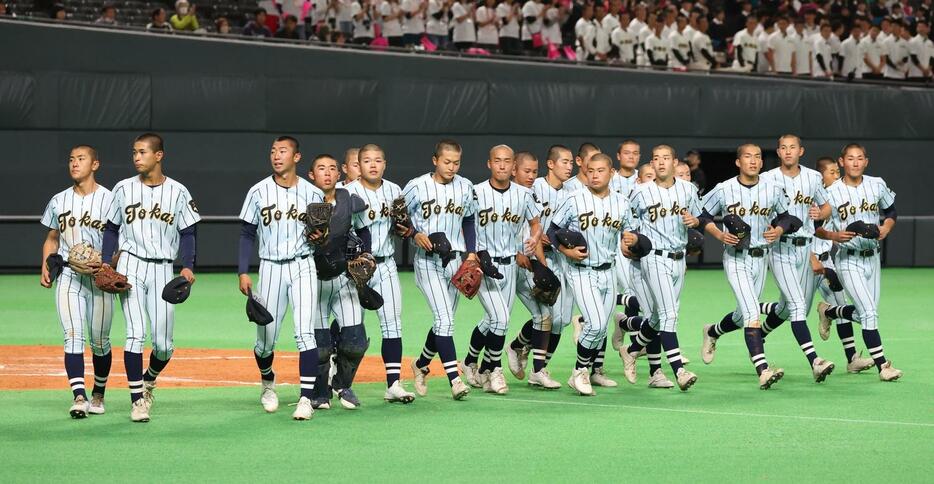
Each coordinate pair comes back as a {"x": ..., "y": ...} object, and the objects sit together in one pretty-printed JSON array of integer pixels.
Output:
[
  {"x": 493, "y": 353},
  {"x": 584, "y": 356},
  {"x": 845, "y": 332},
  {"x": 553, "y": 340},
  {"x": 265, "y": 366},
  {"x": 841, "y": 312},
  {"x": 756, "y": 349},
  {"x": 74, "y": 369},
  {"x": 653, "y": 352},
  {"x": 428, "y": 351},
  {"x": 477, "y": 343},
  {"x": 134, "y": 374},
  {"x": 672, "y": 350},
  {"x": 772, "y": 319},
  {"x": 155, "y": 367},
  {"x": 525, "y": 337},
  {"x": 631, "y": 324},
  {"x": 391, "y": 349},
  {"x": 308, "y": 371},
  {"x": 645, "y": 335},
  {"x": 599, "y": 355},
  {"x": 448, "y": 355},
  {"x": 725, "y": 325},
  {"x": 541, "y": 340},
  {"x": 102, "y": 364},
  {"x": 803, "y": 336},
  {"x": 874, "y": 344}
]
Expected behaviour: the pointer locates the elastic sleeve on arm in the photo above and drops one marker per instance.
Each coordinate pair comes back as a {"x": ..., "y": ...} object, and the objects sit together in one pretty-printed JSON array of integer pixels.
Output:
[
  {"x": 704, "y": 219},
  {"x": 367, "y": 238},
  {"x": 109, "y": 244},
  {"x": 247, "y": 243},
  {"x": 187, "y": 246},
  {"x": 890, "y": 213},
  {"x": 470, "y": 233}
]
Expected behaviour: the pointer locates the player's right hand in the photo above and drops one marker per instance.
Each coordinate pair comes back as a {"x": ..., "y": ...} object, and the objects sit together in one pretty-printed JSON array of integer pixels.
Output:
[
  {"x": 574, "y": 253},
  {"x": 246, "y": 284},
  {"x": 44, "y": 280},
  {"x": 423, "y": 241},
  {"x": 728, "y": 238},
  {"x": 841, "y": 237},
  {"x": 816, "y": 266},
  {"x": 523, "y": 262}
]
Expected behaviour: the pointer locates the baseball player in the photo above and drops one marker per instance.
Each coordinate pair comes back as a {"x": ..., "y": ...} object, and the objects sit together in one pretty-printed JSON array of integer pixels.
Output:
[
  {"x": 601, "y": 216},
  {"x": 579, "y": 182},
  {"x": 833, "y": 306},
  {"x": 664, "y": 210},
  {"x": 274, "y": 213},
  {"x": 337, "y": 295},
  {"x": 151, "y": 221},
  {"x": 543, "y": 332},
  {"x": 683, "y": 171},
  {"x": 350, "y": 167},
  {"x": 760, "y": 204},
  {"x": 790, "y": 256},
  {"x": 441, "y": 202},
  {"x": 862, "y": 198},
  {"x": 75, "y": 215},
  {"x": 379, "y": 194},
  {"x": 503, "y": 208}
]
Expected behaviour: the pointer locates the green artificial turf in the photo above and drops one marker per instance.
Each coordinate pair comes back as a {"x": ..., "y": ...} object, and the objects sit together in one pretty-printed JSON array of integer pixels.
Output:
[{"x": 850, "y": 428}]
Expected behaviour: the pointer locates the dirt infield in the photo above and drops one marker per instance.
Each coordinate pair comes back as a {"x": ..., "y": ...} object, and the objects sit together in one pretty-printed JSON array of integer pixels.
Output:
[{"x": 42, "y": 367}]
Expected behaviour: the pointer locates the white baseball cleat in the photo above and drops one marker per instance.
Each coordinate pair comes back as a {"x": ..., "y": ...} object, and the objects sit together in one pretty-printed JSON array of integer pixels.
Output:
[
  {"x": 80, "y": 407},
  {"x": 859, "y": 363},
  {"x": 619, "y": 336},
  {"x": 578, "y": 323},
  {"x": 769, "y": 377},
  {"x": 685, "y": 379},
  {"x": 599, "y": 378},
  {"x": 659, "y": 380},
  {"x": 268, "y": 397},
  {"x": 708, "y": 346},
  {"x": 821, "y": 369},
  {"x": 421, "y": 386},
  {"x": 149, "y": 387},
  {"x": 397, "y": 393},
  {"x": 629, "y": 363},
  {"x": 580, "y": 382},
  {"x": 889, "y": 372},
  {"x": 543, "y": 379},
  {"x": 303, "y": 410},
  {"x": 139, "y": 412},
  {"x": 824, "y": 326},
  {"x": 513, "y": 359},
  {"x": 495, "y": 381},
  {"x": 459, "y": 389},
  {"x": 684, "y": 359},
  {"x": 97, "y": 404},
  {"x": 471, "y": 373}
]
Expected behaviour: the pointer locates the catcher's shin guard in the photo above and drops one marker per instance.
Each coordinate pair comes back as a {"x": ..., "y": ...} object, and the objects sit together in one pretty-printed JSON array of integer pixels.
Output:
[{"x": 350, "y": 350}]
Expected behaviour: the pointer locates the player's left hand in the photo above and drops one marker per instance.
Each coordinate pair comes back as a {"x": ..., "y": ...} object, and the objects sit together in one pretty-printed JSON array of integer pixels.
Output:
[
  {"x": 816, "y": 266},
  {"x": 629, "y": 239},
  {"x": 814, "y": 212},
  {"x": 884, "y": 232},
  {"x": 772, "y": 234},
  {"x": 472, "y": 256},
  {"x": 316, "y": 236},
  {"x": 188, "y": 275},
  {"x": 523, "y": 262},
  {"x": 689, "y": 220}
]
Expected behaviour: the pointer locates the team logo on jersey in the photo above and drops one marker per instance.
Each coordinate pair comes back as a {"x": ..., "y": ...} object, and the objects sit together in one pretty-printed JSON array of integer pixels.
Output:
[
  {"x": 800, "y": 199},
  {"x": 193, "y": 207},
  {"x": 431, "y": 207},
  {"x": 65, "y": 220},
  {"x": 657, "y": 210},
  {"x": 488, "y": 215},
  {"x": 270, "y": 213},
  {"x": 738, "y": 209},
  {"x": 383, "y": 212},
  {"x": 135, "y": 212},
  {"x": 848, "y": 209},
  {"x": 587, "y": 220}
]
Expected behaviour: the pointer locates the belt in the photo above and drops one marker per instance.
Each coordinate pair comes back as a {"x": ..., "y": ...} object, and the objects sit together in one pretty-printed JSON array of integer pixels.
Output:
[
  {"x": 862, "y": 253},
  {"x": 671, "y": 255},
  {"x": 752, "y": 252},
  {"x": 823, "y": 257},
  {"x": 154, "y": 261},
  {"x": 601, "y": 267},
  {"x": 502, "y": 260},
  {"x": 796, "y": 241},
  {"x": 380, "y": 260},
  {"x": 286, "y": 261}
]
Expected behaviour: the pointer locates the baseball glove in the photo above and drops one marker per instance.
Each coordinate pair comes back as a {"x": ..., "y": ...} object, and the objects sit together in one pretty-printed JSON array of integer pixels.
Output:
[
  {"x": 108, "y": 280},
  {"x": 318, "y": 217},
  {"x": 468, "y": 277},
  {"x": 361, "y": 269},
  {"x": 400, "y": 217},
  {"x": 84, "y": 258}
]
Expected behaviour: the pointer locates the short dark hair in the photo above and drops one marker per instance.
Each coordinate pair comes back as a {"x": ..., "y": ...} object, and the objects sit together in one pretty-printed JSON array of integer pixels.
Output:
[
  {"x": 850, "y": 146},
  {"x": 291, "y": 17},
  {"x": 90, "y": 149},
  {"x": 106, "y": 7},
  {"x": 319, "y": 157},
  {"x": 553, "y": 151},
  {"x": 627, "y": 141},
  {"x": 155, "y": 12},
  {"x": 155, "y": 141},
  {"x": 291, "y": 140},
  {"x": 447, "y": 144},
  {"x": 259, "y": 11},
  {"x": 585, "y": 147},
  {"x": 823, "y": 162},
  {"x": 522, "y": 155}
]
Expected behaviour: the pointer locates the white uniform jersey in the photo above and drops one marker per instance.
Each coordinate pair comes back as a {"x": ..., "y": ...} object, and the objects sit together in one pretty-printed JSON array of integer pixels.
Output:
[
  {"x": 802, "y": 191},
  {"x": 626, "y": 43},
  {"x": 488, "y": 34},
  {"x": 657, "y": 212},
  {"x": 574, "y": 184},
  {"x": 819, "y": 245},
  {"x": 852, "y": 58},
  {"x": 641, "y": 58},
  {"x": 756, "y": 205},
  {"x": 379, "y": 203},
  {"x": 689, "y": 33},
  {"x": 658, "y": 46},
  {"x": 601, "y": 221},
  {"x": 78, "y": 218},
  {"x": 501, "y": 215},
  {"x": 782, "y": 46},
  {"x": 601, "y": 38},
  {"x": 750, "y": 45},
  {"x": 531, "y": 8},
  {"x": 436, "y": 26},
  {"x": 636, "y": 26},
  {"x": 464, "y": 30},
  {"x": 897, "y": 51},
  {"x": 549, "y": 198},
  {"x": 763, "y": 61},
  {"x": 585, "y": 31},
  {"x": 610, "y": 22},
  {"x": 678, "y": 42},
  {"x": 872, "y": 49},
  {"x": 279, "y": 215},
  {"x": 391, "y": 28},
  {"x": 822, "y": 48},
  {"x": 551, "y": 31},
  {"x": 434, "y": 207},
  {"x": 699, "y": 43},
  {"x": 623, "y": 184},
  {"x": 363, "y": 25},
  {"x": 804, "y": 49},
  {"x": 923, "y": 49},
  {"x": 863, "y": 202},
  {"x": 508, "y": 29},
  {"x": 151, "y": 217},
  {"x": 415, "y": 24}
]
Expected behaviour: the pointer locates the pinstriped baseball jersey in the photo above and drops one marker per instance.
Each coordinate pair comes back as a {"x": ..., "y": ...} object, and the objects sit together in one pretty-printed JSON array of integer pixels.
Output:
[
  {"x": 802, "y": 191},
  {"x": 434, "y": 207},
  {"x": 279, "y": 215},
  {"x": 501, "y": 217},
  {"x": 151, "y": 217},
  {"x": 601, "y": 220},
  {"x": 623, "y": 184},
  {"x": 573, "y": 185},
  {"x": 549, "y": 198},
  {"x": 756, "y": 205},
  {"x": 658, "y": 211},
  {"x": 379, "y": 202},
  {"x": 863, "y": 202},
  {"x": 78, "y": 218},
  {"x": 819, "y": 246}
]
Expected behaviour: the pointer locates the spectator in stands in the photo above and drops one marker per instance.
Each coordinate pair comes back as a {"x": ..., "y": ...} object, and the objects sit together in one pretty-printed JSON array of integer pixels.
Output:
[
  {"x": 781, "y": 49},
  {"x": 693, "y": 159},
  {"x": 462, "y": 14},
  {"x": 58, "y": 12},
  {"x": 184, "y": 18},
  {"x": 896, "y": 50},
  {"x": 851, "y": 57},
  {"x": 873, "y": 53},
  {"x": 508, "y": 14},
  {"x": 879, "y": 10},
  {"x": 158, "y": 23},
  {"x": 391, "y": 13},
  {"x": 362, "y": 12},
  {"x": 921, "y": 49},
  {"x": 701, "y": 48},
  {"x": 436, "y": 28},
  {"x": 413, "y": 25},
  {"x": 487, "y": 31},
  {"x": 718, "y": 32},
  {"x": 3, "y": 10},
  {"x": 804, "y": 47},
  {"x": 289, "y": 29},
  {"x": 257, "y": 27},
  {"x": 108, "y": 15},
  {"x": 821, "y": 64},
  {"x": 221, "y": 25}
]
